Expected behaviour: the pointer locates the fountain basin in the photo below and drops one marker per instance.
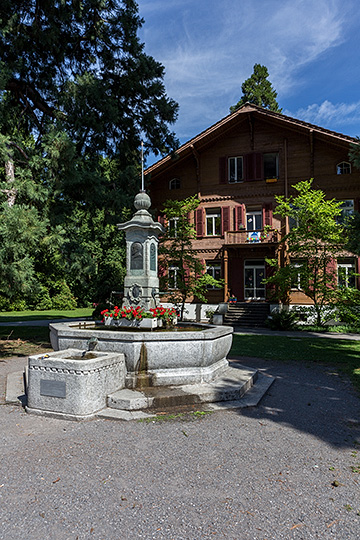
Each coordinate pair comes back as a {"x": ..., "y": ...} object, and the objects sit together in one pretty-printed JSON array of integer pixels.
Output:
[
  {"x": 73, "y": 383},
  {"x": 167, "y": 358}
]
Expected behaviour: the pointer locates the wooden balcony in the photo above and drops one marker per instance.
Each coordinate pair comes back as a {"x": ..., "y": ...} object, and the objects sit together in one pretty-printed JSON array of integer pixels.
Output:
[{"x": 242, "y": 238}]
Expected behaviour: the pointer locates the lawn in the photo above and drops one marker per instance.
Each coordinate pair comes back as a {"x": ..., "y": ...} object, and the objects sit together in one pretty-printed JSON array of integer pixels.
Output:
[
  {"x": 15, "y": 316},
  {"x": 341, "y": 353}
]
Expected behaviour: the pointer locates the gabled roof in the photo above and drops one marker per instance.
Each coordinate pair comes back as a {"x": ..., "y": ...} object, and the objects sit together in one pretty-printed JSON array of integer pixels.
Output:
[{"x": 241, "y": 114}]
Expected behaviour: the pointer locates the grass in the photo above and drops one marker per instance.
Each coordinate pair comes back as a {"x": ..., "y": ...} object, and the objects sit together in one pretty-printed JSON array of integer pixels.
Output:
[
  {"x": 341, "y": 353},
  {"x": 15, "y": 316},
  {"x": 338, "y": 329}
]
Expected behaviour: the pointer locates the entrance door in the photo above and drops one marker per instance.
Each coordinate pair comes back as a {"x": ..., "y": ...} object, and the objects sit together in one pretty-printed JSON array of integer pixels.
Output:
[{"x": 254, "y": 275}]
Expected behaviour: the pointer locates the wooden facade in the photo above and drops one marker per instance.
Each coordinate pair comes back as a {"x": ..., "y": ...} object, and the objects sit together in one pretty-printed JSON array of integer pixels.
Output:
[{"x": 236, "y": 168}]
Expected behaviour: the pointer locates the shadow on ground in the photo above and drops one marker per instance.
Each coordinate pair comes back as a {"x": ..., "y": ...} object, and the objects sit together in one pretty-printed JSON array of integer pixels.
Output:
[{"x": 310, "y": 398}]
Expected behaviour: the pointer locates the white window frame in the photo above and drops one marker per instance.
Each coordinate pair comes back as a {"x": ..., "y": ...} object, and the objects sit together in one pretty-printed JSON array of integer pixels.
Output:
[
  {"x": 350, "y": 269},
  {"x": 175, "y": 270},
  {"x": 234, "y": 165},
  {"x": 296, "y": 281},
  {"x": 254, "y": 214},
  {"x": 172, "y": 225},
  {"x": 344, "y": 167},
  {"x": 211, "y": 215}
]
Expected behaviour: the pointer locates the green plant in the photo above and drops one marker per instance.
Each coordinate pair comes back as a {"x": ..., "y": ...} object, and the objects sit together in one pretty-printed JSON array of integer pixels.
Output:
[
  {"x": 210, "y": 314},
  {"x": 346, "y": 301},
  {"x": 282, "y": 320}
]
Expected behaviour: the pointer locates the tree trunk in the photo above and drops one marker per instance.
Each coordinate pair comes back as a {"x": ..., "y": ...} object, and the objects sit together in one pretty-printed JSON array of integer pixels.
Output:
[{"x": 10, "y": 179}]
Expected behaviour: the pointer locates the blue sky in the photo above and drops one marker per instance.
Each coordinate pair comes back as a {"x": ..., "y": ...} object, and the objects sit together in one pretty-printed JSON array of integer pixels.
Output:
[{"x": 209, "y": 47}]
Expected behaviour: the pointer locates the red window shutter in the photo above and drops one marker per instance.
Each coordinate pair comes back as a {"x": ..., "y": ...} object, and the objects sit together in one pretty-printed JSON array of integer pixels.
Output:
[
  {"x": 199, "y": 222},
  {"x": 253, "y": 166},
  {"x": 239, "y": 216},
  {"x": 161, "y": 219},
  {"x": 258, "y": 166},
  {"x": 225, "y": 219},
  {"x": 223, "y": 170},
  {"x": 267, "y": 214}
]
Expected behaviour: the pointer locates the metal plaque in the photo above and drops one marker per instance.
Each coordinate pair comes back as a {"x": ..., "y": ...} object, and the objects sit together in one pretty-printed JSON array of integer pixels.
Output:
[
  {"x": 52, "y": 388},
  {"x": 136, "y": 259},
  {"x": 153, "y": 257}
]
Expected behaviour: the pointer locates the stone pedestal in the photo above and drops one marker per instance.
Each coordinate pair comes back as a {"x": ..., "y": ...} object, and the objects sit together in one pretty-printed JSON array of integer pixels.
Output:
[{"x": 141, "y": 285}]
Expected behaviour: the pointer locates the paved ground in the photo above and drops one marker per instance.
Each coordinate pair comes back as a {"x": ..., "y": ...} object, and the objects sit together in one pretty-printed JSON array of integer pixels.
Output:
[{"x": 288, "y": 469}]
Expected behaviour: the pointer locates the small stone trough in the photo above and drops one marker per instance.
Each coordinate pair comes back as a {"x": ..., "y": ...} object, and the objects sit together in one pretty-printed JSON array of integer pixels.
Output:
[{"x": 72, "y": 383}]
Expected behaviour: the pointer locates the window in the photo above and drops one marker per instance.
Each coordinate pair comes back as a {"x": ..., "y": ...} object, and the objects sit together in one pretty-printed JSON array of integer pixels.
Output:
[
  {"x": 214, "y": 270},
  {"x": 173, "y": 277},
  {"x": 174, "y": 183},
  {"x": 213, "y": 222},
  {"x": 235, "y": 169},
  {"x": 298, "y": 279},
  {"x": 294, "y": 220},
  {"x": 343, "y": 168},
  {"x": 271, "y": 165},
  {"x": 253, "y": 220},
  {"x": 347, "y": 210},
  {"x": 172, "y": 227},
  {"x": 346, "y": 273}
]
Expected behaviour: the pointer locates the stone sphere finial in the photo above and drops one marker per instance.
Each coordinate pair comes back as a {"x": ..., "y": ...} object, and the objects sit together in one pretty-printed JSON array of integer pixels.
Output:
[{"x": 142, "y": 201}]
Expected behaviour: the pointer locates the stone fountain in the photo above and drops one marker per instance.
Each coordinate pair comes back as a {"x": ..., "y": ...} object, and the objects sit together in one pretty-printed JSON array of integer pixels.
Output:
[{"x": 107, "y": 372}]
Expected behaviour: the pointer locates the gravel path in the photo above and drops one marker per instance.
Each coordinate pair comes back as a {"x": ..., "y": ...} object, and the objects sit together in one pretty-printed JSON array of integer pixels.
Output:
[{"x": 288, "y": 469}]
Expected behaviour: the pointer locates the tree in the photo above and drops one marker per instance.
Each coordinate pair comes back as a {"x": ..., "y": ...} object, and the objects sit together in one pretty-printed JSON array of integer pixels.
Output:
[
  {"x": 258, "y": 90},
  {"x": 314, "y": 242},
  {"x": 183, "y": 274},
  {"x": 77, "y": 95}
]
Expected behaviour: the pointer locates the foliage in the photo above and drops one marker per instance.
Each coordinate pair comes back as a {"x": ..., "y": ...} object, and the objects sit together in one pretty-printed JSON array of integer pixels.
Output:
[
  {"x": 258, "y": 90},
  {"x": 315, "y": 239},
  {"x": 347, "y": 303},
  {"x": 176, "y": 251},
  {"x": 71, "y": 120},
  {"x": 354, "y": 153},
  {"x": 282, "y": 320},
  {"x": 353, "y": 233}
]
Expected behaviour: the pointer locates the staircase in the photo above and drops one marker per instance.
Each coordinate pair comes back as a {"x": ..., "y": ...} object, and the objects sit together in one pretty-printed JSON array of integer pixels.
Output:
[{"x": 247, "y": 314}]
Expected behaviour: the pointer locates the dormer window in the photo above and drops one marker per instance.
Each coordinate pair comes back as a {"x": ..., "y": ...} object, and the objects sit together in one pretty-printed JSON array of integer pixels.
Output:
[
  {"x": 343, "y": 168},
  {"x": 174, "y": 183}
]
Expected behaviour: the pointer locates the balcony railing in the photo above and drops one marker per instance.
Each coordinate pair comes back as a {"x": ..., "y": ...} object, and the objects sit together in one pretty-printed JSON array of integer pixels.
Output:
[{"x": 244, "y": 237}]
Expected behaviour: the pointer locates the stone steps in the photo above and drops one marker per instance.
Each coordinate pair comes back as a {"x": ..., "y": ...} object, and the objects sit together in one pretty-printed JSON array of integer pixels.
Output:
[
  {"x": 249, "y": 398},
  {"x": 247, "y": 315}
]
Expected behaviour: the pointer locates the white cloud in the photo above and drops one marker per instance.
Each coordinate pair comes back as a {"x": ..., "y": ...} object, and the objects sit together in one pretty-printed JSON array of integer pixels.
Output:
[
  {"x": 209, "y": 47},
  {"x": 328, "y": 114}
]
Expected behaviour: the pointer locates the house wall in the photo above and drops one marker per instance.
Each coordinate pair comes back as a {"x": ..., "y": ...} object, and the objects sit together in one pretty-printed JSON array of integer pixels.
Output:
[{"x": 303, "y": 153}]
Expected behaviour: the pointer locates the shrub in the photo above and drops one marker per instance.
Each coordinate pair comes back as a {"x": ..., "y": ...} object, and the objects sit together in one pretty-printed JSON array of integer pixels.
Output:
[
  {"x": 282, "y": 320},
  {"x": 63, "y": 299},
  {"x": 347, "y": 304}
]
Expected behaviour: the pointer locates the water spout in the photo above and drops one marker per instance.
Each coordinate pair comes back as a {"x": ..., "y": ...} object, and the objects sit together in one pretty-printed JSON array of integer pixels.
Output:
[{"x": 91, "y": 345}]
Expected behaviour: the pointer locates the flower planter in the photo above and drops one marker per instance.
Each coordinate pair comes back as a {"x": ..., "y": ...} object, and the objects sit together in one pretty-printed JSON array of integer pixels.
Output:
[{"x": 148, "y": 323}]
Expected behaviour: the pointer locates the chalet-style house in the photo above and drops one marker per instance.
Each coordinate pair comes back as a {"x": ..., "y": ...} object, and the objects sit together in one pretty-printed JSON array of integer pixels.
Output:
[{"x": 236, "y": 167}]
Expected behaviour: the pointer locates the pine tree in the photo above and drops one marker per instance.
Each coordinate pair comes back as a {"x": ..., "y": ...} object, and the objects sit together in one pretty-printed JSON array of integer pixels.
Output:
[
  {"x": 77, "y": 95},
  {"x": 258, "y": 90}
]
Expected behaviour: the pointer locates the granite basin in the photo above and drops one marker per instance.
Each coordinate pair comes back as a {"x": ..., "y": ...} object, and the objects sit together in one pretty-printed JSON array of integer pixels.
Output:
[{"x": 161, "y": 358}]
